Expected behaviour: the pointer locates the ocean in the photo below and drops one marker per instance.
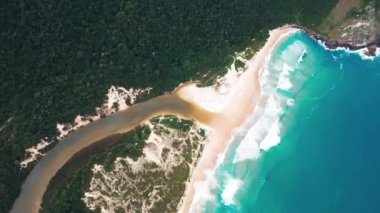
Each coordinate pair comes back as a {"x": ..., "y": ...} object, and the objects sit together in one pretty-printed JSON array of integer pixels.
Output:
[{"x": 313, "y": 143}]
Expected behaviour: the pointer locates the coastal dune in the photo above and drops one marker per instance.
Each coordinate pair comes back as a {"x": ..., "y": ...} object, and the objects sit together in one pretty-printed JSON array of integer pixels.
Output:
[{"x": 222, "y": 123}]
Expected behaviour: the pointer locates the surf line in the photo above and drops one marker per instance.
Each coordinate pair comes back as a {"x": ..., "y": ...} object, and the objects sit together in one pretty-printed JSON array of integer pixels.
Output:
[{"x": 241, "y": 103}]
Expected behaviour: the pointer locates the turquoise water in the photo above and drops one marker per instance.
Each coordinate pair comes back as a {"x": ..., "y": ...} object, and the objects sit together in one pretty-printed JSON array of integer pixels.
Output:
[{"x": 328, "y": 156}]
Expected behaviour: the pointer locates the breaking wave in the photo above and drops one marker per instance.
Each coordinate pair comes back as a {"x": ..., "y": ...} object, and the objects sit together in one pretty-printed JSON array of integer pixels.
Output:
[
  {"x": 280, "y": 79},
  {"x": 230, "y": 190},
  {"x": 277, "y": 85},
  {"x": 289, "y": 75}
]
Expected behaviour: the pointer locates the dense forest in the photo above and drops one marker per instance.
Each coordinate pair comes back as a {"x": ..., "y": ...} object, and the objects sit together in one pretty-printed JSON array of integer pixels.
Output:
[
  {"x": 67, "y": 188},
  {"x": 58, "y": 58}
]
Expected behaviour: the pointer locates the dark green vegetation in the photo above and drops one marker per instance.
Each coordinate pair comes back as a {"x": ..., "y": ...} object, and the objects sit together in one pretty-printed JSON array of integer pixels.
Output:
[
  {"x": 58, "y": 58},
  {"x": 68, "y": 186},
  {"x": 172, "y": 122}
]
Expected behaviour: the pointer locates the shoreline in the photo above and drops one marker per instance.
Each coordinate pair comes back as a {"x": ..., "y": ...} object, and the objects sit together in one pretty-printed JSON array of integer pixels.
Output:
[
  {"x": 371, "y": 45},
  {"x": 199, "y": 174},
  {"x": 246, "y": 94}
]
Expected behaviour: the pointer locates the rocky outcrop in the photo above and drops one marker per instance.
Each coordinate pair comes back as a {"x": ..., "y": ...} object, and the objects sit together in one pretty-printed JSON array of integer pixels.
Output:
[{"x": 371, "y": 44}]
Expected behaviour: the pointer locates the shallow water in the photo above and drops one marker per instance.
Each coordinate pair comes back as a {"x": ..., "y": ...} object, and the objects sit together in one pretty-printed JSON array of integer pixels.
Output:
[
  {"x": 310, "y": 146},
  {"x": 313, "y": 145}
]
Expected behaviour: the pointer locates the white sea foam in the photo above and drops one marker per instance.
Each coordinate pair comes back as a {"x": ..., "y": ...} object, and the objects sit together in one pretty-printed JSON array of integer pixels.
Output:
[
  {"x": 203, "y": 189},
  {"x": 270, "y": 106},
  {"x": 301, "y": 58},
  {"x": 230, "y": 191},
  {"x": 290, "y": 102},
  {"x": 284, "y": 79},
  {"x": 361, "y": 52},
  {"x": 203, "y": 192},
  {"x": 249, "y": 148},
  {"x": 265, "y": 132},
  {"x": 272, "y": 138}
]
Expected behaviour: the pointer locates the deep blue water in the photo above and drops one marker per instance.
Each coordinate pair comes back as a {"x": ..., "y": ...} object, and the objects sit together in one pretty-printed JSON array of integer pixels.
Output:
[{"x": 328, "y": 158}]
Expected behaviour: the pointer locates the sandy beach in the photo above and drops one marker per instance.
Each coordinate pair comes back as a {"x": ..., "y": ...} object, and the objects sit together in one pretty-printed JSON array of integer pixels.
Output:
[
  {"x": 222, "y": 123},
  {"x": 245, "y": 96}
]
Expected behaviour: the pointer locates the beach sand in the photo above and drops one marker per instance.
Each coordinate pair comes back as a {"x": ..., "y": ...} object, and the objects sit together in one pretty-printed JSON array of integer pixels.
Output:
[
  {"x": 245, "y": 96},
  {"x": 222, "y": 122}
]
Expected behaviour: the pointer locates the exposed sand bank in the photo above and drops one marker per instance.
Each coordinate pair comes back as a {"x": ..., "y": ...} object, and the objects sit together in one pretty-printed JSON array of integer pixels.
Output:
[{"x": 242, "y": 98}]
